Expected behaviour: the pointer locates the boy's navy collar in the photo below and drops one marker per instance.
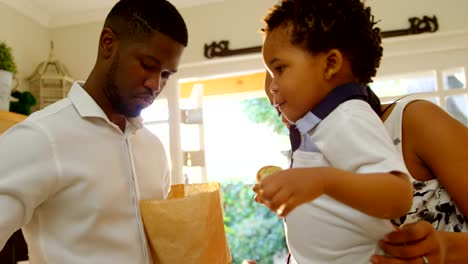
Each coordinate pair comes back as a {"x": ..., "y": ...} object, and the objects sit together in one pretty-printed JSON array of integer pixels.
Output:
[{"x": 331, "y": 101}]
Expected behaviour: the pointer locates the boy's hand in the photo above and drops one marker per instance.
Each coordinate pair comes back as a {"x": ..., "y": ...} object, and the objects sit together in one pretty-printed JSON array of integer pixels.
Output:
[{"x": 285, "y": 190}]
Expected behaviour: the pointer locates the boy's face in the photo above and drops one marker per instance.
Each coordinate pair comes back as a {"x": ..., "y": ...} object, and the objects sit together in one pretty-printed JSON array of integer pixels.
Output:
[
  {"x": 297, "y": 77},
  {"x": 266, "y": 85}
]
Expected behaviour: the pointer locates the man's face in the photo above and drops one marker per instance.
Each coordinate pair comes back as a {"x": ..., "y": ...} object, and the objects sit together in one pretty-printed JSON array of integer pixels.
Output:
[{"x": 139, "y": 71}]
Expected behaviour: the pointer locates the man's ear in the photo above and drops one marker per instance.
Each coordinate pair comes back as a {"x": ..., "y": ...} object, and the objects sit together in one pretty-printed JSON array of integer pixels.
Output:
[
  {"x": 334, "y": 63},
  {"x": 108, "y": 43}
]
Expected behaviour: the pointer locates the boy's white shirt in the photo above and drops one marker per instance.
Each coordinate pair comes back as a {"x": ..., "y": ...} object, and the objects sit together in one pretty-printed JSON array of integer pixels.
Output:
[{"x": 352, "y": 138}]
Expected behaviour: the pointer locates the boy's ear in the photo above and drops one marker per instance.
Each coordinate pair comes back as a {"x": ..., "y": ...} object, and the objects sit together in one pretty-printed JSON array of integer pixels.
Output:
[{"x": 334, "y": 63}]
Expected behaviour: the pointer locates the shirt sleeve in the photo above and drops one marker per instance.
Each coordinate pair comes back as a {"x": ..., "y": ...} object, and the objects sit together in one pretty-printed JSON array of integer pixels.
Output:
[
  {"x": 28, "y": 173},
  {"x": 356, "y": 140}
]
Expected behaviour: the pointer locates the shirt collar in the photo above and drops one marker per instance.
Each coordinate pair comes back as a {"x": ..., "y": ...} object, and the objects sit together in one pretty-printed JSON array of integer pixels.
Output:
[
  {"x": 331, "y": 101},
  {"x": 87, "y": 107}
]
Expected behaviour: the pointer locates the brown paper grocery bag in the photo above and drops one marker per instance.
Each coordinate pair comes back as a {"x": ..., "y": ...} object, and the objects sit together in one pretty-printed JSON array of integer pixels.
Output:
[{"x": 188, "y": 227}]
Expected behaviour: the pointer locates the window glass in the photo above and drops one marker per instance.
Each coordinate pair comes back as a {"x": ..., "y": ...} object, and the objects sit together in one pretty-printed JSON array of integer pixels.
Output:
[
  {"x": 161, "y": 130},
  {"x": 236, "y": 147},
  {"x": 457, "y": 106},
  {"x": 190, "y": 137},
  {"x": 157, "y": 111},
  {"x": 404, "y": 84},
  {"x": 454, "y": 79},
  {"x": 435, "y": 100}
]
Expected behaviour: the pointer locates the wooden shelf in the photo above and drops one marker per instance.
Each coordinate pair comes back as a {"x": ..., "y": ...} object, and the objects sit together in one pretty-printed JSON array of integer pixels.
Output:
[{"x": 8, "y": 119}]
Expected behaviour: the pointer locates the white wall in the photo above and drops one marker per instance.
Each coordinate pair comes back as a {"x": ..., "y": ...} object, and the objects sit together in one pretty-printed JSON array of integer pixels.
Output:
[
  {"x": 239, "y": 22},
  {"x": 394, "y": 14},
  {"x": 29, "y": 41},
  {"x": 76, "y": 47}
]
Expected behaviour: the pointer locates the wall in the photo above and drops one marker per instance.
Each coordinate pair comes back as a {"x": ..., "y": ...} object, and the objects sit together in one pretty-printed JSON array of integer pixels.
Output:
[
  {"x": 239, "y": 22},
  {"x": 77, "y": 46},
  {"x": 29, "y": 41}
]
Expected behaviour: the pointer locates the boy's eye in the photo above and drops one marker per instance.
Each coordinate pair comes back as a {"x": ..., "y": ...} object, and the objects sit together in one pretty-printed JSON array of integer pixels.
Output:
[{"x": 279, "y": 69}]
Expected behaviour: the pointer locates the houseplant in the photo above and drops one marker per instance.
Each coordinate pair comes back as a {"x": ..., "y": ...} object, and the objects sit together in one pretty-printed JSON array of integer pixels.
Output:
[{"x": 7, "y": 71}]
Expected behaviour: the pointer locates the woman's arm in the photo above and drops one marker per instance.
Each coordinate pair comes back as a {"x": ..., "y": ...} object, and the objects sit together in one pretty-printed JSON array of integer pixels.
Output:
[
  {"x": 456, "y": 245},
  {"x": 415, "y": 240},
  {"x": 440, "y": 143},
  {"x": 435, "y": 145}
]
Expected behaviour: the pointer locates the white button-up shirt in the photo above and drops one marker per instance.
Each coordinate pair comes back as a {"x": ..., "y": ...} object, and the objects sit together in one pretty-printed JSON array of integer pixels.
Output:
[
  {"x": 326, "y": 231},
  {"x": 72, "y": 180}
]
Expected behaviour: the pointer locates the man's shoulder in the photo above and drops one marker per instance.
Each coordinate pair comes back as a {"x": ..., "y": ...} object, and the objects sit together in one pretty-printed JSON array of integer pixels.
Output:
[{"x": 55, "y": 111}]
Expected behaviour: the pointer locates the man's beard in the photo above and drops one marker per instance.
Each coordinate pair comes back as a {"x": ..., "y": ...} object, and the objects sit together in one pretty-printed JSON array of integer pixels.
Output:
[{"x": 111, "y": 91}]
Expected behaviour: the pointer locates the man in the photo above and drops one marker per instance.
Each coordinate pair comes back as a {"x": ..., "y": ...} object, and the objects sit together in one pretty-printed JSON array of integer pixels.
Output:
[{"x": 72, "y": 174}]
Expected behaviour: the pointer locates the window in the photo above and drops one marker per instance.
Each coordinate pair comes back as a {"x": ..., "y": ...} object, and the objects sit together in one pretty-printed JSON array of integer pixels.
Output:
[
  {"x": 235, "y": 146},
  {"x": 156, "y": 119},
  {"x": 397, "y": 86},
  {"x": 450, "y": 95}
]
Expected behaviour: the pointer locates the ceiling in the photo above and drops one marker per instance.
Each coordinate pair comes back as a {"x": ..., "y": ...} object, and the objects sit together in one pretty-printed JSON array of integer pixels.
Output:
[{"x": 57, "y": 13}]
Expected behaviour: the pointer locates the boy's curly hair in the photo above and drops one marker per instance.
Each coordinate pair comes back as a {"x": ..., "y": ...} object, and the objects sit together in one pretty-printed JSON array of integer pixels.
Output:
[{"x": 322, "y": 25}]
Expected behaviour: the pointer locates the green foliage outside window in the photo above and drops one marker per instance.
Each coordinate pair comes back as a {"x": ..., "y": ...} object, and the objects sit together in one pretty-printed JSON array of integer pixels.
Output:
[
  {"x": 253, "y": 231},
  {"x": 259, "y": 110}
]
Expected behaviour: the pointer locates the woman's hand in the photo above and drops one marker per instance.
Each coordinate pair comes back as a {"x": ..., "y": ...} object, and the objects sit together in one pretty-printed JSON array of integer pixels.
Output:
[
  {"x": 411, "y": 244},
  {"x": 285, "y": 190}
]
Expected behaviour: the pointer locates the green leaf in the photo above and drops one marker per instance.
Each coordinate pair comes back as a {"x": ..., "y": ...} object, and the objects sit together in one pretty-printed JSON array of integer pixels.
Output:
[
  {"x": 259, "y": 110},
  {"x": 252, "y": 230},
  {"x": 7, "y": 61}
]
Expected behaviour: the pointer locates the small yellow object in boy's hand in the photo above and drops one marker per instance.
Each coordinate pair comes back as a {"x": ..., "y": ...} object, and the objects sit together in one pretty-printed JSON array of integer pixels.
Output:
[
  {"x": 266, "y": 171},
  {"x": 261, "y": 174}
]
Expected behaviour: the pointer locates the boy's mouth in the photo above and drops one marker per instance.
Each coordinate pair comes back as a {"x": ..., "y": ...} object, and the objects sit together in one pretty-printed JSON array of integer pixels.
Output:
[{"x": 277, "y": 106}]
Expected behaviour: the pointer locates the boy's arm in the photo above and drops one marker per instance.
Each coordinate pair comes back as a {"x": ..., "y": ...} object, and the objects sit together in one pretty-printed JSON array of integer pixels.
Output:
[
  {"x": 28, "y": 174},
  {"x": 383, "y": 195},
  {"x": 372, "y": 176},
  {"x": 365, "y": 170}
]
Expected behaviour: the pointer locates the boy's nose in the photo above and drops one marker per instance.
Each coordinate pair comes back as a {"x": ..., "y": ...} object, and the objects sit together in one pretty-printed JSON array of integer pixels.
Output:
[{"x": 273, "y": 87}]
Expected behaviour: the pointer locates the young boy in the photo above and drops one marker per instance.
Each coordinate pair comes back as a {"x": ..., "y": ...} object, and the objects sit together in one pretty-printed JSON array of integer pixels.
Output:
[{"x": 346, "y": 180}]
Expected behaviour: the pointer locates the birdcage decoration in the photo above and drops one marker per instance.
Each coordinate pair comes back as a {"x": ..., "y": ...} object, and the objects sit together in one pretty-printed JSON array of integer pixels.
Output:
[{"x": 50, "y": 81}]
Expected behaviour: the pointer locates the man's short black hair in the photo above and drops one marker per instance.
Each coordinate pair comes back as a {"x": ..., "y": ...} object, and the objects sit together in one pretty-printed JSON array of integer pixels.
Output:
[
  {"x": 322, "y": 25},
  {"x": 135, "y": 20}
]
